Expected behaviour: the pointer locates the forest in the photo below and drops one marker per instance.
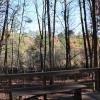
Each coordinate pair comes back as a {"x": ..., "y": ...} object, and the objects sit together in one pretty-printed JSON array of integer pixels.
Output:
[
  {"x": 59, "y": 42},
  {"x": 49, "y": 48}
]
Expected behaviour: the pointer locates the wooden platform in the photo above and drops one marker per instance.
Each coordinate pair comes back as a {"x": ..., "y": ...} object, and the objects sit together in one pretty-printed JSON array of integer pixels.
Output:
[
  {"x": 94, "y": 95},
  {"x": 44, "y": 78},
  {"x": 49, "y": 89},
  {"x": 46, "y": 90},
  {"x": 85, "y": 96}
]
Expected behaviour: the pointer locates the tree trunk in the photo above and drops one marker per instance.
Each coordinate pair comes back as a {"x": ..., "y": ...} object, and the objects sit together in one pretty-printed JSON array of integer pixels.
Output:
[
  {"x": 18, "y": 55},
  {"x": 84, "y": 37},
  {"x": 94, "y": 34},
  {"x": 41, "y": 36},
  {"x": 66, "y": 32},
  {"x": 49, "y": 32},
  {"x": 45, "y": 38},
  {"x": 4, "y": 25},
  {"x": 54, "y": 18},
  {"x": 97, "y": 73},
  {"x": 87, "y": 34}
]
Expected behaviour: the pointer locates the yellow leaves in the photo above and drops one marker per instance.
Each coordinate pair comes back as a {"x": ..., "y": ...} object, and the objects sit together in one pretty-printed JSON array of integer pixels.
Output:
[{"x": 74, "y": 43}]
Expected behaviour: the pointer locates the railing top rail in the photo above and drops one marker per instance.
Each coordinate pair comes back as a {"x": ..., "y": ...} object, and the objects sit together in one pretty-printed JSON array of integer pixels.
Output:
[
  {"x": 89, "y": 69},
  {"x": 49, "y": 73}
]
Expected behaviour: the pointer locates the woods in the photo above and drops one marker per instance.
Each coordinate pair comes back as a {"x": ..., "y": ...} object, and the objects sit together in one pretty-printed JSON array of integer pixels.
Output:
[{"x": 47, "y": 46}]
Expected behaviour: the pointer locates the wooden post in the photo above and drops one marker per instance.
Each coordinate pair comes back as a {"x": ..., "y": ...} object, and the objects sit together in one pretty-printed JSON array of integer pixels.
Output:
[
  {"x": 44, "y": 84},
  {"x": 10, "y": 96},
  {"x": 97, "y": 80},
  {"x": 75, "y": 77},
  {"x": 20, "y": 97},
  {"x": 77, "y": 94},
  {"x": 10, "y": 88}
]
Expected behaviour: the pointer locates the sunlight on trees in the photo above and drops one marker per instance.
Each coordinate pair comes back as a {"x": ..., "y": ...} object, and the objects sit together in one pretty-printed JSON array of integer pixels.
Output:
[{"x": 49, "y": 47}]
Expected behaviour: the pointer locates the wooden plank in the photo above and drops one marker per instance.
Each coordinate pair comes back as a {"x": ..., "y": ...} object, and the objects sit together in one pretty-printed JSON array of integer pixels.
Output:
[
  {"x": 46, "y": 74},
  {"x": 89, "y": 70},
  {"x": 47, "y": 90},
  {"x": 95, "y": 95},
  {"x": 85, "y": 81},
  {"x": 49, "y": 73},
  {"x": 38, "y": 74}
]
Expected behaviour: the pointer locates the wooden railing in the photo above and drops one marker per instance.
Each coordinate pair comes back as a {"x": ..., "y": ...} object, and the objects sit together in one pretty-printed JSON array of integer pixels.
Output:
[{"x": 9, "y": 81}]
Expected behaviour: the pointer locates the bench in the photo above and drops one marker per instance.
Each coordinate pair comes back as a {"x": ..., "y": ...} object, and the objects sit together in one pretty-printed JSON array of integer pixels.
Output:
[{"x": 50, "y": 89}]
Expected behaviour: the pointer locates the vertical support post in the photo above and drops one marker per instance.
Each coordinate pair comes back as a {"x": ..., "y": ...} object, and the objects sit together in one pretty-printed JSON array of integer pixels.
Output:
[
  {"x": 45, "y": 97},
  {"x": 44, "y": 84},
  {"x": 77, "y": 94},
  {"x": 20, "y": 97},
  {"x": 10, "y": 88},
  {"x": 75, "y": 77},
  {"x": 10, "y": 96},
  {"x": 97, "y": 80}
]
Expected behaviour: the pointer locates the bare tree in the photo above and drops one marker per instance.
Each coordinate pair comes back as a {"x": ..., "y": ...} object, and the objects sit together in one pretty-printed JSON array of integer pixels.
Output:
[
  {"x": 66, "y": 22},
  {"x": 4, "y": 25},
  {"x": 54, "y": 18},
  {"x": 95, "y": 41},
  {"x": 45, "y": 37},
  {"x": 21, "y": 25},
  {"x": 84, "y": 36},
  {"x": 87, "y": 33},
  {"x": 94, "y": 33},
  {"x": 12, "y": 31},
  {"x": 41, "y": 35},
  {"x": 49, "y": 32}
]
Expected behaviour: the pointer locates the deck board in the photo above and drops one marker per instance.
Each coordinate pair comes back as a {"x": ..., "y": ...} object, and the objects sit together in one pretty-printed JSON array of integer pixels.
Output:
[
  {"x": 95, "y": 95},
  {"x": 46, "y": 90}
]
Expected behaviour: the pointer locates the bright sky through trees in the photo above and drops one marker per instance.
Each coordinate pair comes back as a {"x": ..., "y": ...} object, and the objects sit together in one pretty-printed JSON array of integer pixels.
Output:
[{"x": 30, "y": 18}]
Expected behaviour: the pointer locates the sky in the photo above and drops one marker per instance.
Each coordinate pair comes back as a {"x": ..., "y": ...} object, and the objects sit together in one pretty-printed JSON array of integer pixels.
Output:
[{"x": 30, "y": 13}]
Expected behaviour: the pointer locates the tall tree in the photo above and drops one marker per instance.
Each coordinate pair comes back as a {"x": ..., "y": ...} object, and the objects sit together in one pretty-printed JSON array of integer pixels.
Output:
[
  {"x": 21, "y": 25},
  {"x": 94, "y": 33},
  {"x": 49, "y": 32},
  {"x": 87, "y": 33},
  {"x": 54, "y": 18},
  {"x": 66, "y": 23},
  {"x": 4, "y": 25},
  {"x": 95, "y": 41},
  {"x": 41, "y": 35},
  {"x": 84, "y": 36},
  {"x": 45, "y": 35},
  {"x": 12, "y": 30}
]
